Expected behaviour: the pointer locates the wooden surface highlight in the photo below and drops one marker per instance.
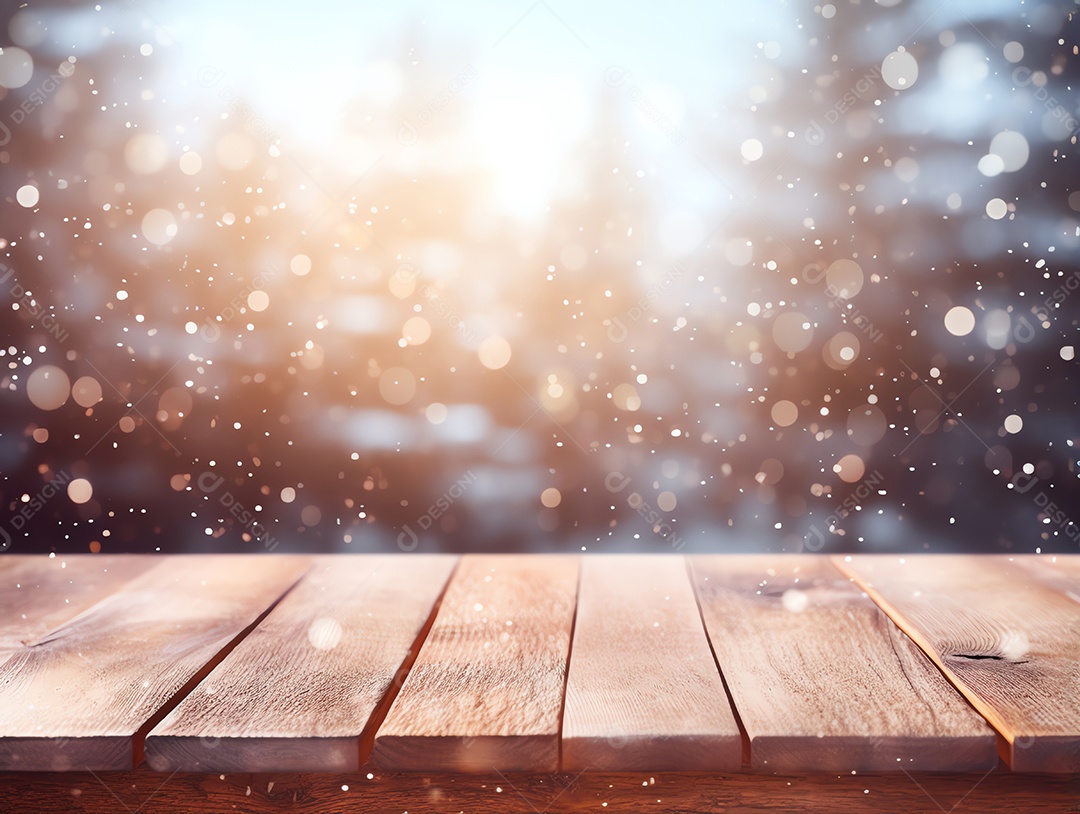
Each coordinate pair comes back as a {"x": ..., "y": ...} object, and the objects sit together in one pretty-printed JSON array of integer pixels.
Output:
[
  {"x": 298, "y": 692},
  {"x": 40, "y": 593},
  {"x": 643, "y": 691},
  {"x": 822, "y": 680},
  {"x": 486, "y": 691},
  {"x": 78, "y": 697},
  {"x": 1006, "y": 634}
]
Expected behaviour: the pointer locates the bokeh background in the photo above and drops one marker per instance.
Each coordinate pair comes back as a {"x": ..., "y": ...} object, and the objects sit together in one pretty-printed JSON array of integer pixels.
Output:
[{"x": 773, "y": 276}]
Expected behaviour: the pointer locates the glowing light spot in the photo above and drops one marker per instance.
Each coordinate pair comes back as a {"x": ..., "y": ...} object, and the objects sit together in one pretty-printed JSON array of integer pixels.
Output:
[
  {"x": 899, "y": 70},
  {"x": 997, "y": 208},
  {"x": 28, "y": 196},
  {"x": 1013, "y": 424},
  {"x": 325, "y": 633},
  {"x": 666, "y": 501},
  {"x": 288, "y": 494},
  {"x": 850, "y": 468},
  {"x": 738, "y": 251},
  {"x": 397, "y": 385},
  {"x": 784, "y": 413},
  {"x": 1012, "y": 150},
  {"x": 436, "y": 412},
  {"x": 86, "y": 391},
  {"x": 80, "y": 490},
  {"x": 963, "y": 66},
  {"x": 792, "y": 332},
  {"x": 494, "y": 352},
  {"x": 190, "y": 163},
  {"x": 48, "y": 387},
  {"x": 752, "y": 149},
  {"x": 416, "y": 331},
  {"x": 991, "y": 165},
  {"x": 844, "y": 278},
  {"x": 16, "y": 68},
  {"x": 959, "y": 321},
  {"x": 794, "y": 600},
  {"x": 258, "y": 300},
  {"x": 300, "y": 265},
  {"x": 159, "y": 226},
  {"x": 626, "y": 397},
  {"x": 551, "y": 497},
  {"x": 866, "y": 425}
]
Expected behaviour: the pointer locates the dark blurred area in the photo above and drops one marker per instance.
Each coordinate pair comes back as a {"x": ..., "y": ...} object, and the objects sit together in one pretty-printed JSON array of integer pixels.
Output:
[{"x": 439, "y": 291}]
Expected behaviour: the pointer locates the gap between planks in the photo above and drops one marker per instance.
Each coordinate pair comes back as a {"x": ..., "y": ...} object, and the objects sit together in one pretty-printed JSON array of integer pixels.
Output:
[
  {"x": 378, "y": 715},
  {"x": 138, "y": 741},
  {"x": 1025, "y": 662},
  {"x": 743, "y": 734}
]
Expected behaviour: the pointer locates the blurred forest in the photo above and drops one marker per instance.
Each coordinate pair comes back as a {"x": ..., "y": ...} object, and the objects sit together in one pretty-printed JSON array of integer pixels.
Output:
[{"x": 221, "y": 336}]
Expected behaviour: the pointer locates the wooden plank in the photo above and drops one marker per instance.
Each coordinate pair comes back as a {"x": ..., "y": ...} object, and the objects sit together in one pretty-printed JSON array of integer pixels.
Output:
[
  {"x": 297, "y": 693},
  {"x": 822, "y": 680},
  {"x": 1059, "y": 572},
  {"x": 486, "y": 691},
  {"x": 589, "y": 793},
  {"x": 40, "y": 593},
  {"x": 1007, "y": 639},
  {"x": 643, "y": 692},
  {"x": 96, "y": 683}
]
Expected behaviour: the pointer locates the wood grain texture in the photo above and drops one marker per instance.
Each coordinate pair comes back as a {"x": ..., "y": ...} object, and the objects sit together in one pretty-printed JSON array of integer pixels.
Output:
[
  {"x": 643, "y": 691},
  {"x": 486, "y": 691},
  {"x": 99, "y": 679},
  {"x": 297, "y": 693},
  {"x": 40, "y": 593},
  {"x": 1007, "y": 637},
  {"x": 1059, "y": 572},
  {"x": 634, "y": 793},
  {"x": 822, "y": 680}
]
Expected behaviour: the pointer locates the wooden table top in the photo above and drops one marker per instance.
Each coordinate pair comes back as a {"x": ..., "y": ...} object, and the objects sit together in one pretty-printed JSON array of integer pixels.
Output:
[{"x": 721, "y": 678}]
